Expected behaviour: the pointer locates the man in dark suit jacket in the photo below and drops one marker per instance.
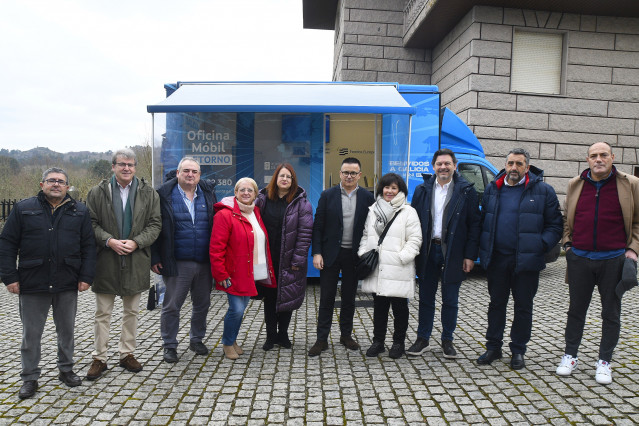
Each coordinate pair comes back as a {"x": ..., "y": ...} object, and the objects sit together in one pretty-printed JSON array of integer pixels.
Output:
[{"x": 337, "y": 230}]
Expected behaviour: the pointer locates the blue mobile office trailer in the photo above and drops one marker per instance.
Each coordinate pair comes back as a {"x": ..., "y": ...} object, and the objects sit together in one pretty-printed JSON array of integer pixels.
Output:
[{"x": 238, "y": 129}]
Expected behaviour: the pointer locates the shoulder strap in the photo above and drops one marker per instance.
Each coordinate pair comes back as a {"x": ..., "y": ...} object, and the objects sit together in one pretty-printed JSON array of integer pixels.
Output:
[{"x": 381, "y": 237}]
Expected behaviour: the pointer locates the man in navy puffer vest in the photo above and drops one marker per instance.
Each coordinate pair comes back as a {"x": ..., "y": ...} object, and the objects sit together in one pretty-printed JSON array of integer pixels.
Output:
[
  {"x": 521, "y": 221},
  {"x": 181, "y": 254}
]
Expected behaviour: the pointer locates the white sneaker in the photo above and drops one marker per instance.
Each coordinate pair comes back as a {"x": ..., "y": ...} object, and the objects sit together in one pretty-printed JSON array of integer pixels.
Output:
[
  {"x": 604, "y": 373},
  {"x": 567, "y": 365}
]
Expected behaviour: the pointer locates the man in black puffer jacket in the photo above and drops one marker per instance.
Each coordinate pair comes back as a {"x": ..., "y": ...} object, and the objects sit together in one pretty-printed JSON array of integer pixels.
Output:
[
  {"x": 52, "y": 235},
  {"x": 521, "y": 221}
]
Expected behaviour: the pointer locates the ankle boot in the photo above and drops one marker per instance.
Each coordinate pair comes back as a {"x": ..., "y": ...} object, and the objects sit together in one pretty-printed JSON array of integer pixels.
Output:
[{"x": 230, "y": 353}]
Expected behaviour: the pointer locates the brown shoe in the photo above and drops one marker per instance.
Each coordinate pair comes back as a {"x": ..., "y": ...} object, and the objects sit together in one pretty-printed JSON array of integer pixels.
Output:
[
  {"x": 238, "y": 349},
  {"x": 318, "y": 348},
  {"x": 131, "y": 364},
  {"x": 97, "y": 368},
  {"x": 230, "y": 353},
  {"x": 349, "y": 342}
]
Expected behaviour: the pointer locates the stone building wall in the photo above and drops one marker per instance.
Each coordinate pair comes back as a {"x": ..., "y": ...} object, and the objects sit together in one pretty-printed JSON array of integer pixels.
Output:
[
  {"x": 369, "y": 47},
  {"x": 472, "y": 65}
]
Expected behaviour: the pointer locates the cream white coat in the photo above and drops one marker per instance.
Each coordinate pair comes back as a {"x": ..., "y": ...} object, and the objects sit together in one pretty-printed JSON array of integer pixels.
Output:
[{"x": 395, "y": 274}]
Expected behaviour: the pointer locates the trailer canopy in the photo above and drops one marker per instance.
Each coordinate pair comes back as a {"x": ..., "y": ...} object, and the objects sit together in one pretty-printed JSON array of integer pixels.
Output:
[{"x": 282, "y": 97}]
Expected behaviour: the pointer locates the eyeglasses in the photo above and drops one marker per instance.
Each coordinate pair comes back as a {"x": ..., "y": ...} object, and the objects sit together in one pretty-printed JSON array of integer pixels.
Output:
[
  {"x": 123, "y": 165},
  {"x": 249, "y": 190},
  {"x": 54, "y": 181},
  {"x": 351, "y": 174}
]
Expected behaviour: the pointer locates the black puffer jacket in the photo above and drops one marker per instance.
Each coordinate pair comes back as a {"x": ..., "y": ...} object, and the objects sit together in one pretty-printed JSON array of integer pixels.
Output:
[
  {"x": 52, "y": 258},
  {"x": 540, "y": 222}
]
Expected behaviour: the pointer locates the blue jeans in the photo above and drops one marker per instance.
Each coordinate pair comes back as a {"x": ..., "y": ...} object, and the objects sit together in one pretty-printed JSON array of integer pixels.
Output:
[
  {"x": 233, "y": 318},
  {"x": 428, "y": 291}
]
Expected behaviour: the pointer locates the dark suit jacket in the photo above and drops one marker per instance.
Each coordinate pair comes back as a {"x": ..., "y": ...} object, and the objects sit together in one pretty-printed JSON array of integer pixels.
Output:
[
  {"x": 329, "y": 225},
  {"x": 462, "y": 225}
]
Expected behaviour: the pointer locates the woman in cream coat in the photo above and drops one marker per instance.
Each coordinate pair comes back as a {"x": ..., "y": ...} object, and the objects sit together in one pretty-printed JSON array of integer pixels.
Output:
[{"x": 394, "y": 280}]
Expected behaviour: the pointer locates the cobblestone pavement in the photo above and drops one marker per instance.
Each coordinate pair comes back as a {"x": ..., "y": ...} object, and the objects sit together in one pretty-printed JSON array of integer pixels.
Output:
[{"x": 340, "y": 386}]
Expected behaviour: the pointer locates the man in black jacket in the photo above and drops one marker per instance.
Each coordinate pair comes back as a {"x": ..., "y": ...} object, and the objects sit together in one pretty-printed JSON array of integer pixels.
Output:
[
  {"x": 53, "y": 238},
  {"x": 521, "y": 221},
  {"x": 337, "y": 231},
  {"x": 181, "y": 254},
  {"x": 448, "y": 209}
]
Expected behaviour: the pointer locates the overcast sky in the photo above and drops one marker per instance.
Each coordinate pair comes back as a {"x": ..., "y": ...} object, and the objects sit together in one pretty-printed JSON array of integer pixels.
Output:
[{"x": 78, "y": 75}]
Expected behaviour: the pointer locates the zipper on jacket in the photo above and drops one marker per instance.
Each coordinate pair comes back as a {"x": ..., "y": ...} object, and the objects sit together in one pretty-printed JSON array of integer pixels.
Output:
[{"x": 594, "y": 235}]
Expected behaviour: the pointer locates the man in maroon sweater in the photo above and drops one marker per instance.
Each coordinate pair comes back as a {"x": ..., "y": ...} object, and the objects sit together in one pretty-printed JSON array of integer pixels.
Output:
[{"x": 600, "y": 232}]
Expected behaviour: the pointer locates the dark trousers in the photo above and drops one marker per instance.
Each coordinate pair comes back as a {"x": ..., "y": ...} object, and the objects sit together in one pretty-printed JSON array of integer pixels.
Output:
[
  {"x": 193, "y": 277},
  {"x": 329, "y": 276},
  {"x": 427, "y": 293},
  {"x": 382, "y": 305},
  {"x": 583, "y": 275},
  {"x": 276, "y": 322},
  {"x": 34, "y": 309},
  {"x": 502, "y": 280}
]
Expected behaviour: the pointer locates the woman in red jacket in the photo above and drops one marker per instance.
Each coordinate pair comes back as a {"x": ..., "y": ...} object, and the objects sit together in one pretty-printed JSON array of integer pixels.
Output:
[{"x": 239, "y": 257}]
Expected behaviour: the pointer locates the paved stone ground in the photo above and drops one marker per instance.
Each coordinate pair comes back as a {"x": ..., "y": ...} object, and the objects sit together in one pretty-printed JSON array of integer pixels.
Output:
[{"x": 339, "y": 387}]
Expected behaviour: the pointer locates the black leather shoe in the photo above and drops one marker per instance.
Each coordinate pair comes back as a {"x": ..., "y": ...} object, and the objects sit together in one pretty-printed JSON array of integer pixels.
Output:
[
  {"x": 318, "y": 347},
  {"x": 268, "y": 345},
  {"x": 349, "y": 342},
  {"x": 70, "y": 379},
  {"x": 488, "y": 357},
  {"x": 375, "y": 349},
  {"x": 284, "y": 341},
  {"x": 396, "y": 351},
  {"x": 199, "y": 348},
  {"x": 517, "y": 362},
  {"x": 170, "y": 355},
  {"x": 28, "y": 389}
]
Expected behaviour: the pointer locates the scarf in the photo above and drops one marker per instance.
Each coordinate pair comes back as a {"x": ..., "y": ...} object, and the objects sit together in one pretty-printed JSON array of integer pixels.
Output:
[
  {"x": 123, "y": 214},
  {"x": 384, "y": 210},
  {"x": 246, "y": 209},
  {"x": 248, "y": 212}
]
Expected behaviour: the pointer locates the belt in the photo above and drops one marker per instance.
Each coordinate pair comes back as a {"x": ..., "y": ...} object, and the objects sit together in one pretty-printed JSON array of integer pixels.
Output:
[{"x": 437, "y": 241}]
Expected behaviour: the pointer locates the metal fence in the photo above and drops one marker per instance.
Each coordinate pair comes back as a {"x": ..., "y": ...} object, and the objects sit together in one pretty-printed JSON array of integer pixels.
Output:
[
  {"x": 5, "y": 208},
  {"x": 6, "y": 205}
]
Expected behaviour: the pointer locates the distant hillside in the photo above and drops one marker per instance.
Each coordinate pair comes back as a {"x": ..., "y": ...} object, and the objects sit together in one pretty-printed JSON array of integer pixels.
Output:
[{"x": 40, "y": 155}]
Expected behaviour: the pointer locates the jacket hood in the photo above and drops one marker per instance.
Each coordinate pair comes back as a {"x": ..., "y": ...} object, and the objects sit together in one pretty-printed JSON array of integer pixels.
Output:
[
  {"x": 534, "y": 174},
  {"x": 226, "y": 203}
]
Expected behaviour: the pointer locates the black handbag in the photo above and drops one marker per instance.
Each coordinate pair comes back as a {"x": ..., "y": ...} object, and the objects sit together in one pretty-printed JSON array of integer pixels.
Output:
[{"x": 367, "y": 263}]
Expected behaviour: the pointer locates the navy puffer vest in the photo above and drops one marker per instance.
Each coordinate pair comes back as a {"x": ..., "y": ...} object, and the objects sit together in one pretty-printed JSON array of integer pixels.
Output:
[{"x": 191, "y": 239}]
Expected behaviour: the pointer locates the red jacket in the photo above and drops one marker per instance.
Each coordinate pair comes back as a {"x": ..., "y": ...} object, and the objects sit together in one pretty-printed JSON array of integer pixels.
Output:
[{"x": 231, "y": 250}]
